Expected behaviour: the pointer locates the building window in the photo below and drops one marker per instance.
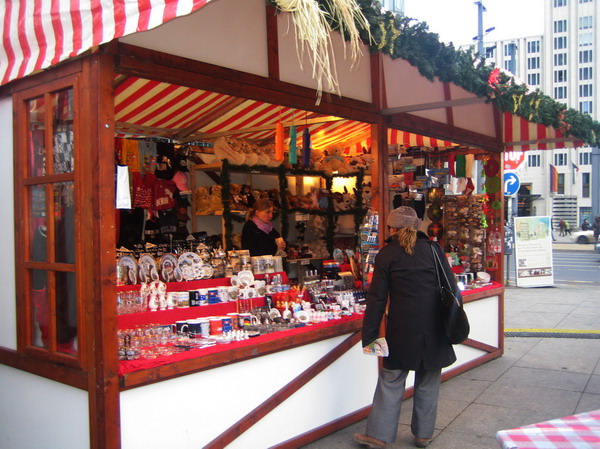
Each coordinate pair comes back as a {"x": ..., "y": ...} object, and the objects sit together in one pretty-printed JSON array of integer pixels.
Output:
[
  {"x": 560, "y": 26},
  {"x": 561, "y": 184},
  {"x": 560, "y": 159},
  {"x": 490, "y": 52},
  {"x": 585, "y": 1},
  {"x": 533, "y": 63},
  {"x": 585, "y": 56},
  {"x": 48, "y": 316},
  {"x": 508, "y": 66},
  {"x": 560, "y": 93},
  {"x": 585, "y": 73},
  {"x": 585, "y": 39},
  {"x": 585, "y": 158},
  {"x": 585, "y": 107},
  {"x": 585, "y": 90},
  {"x": 559, "y": 3},
  {"x": 533, "y": 79},
  {"x": 585, "y": 22},
  {"x": 560, "y": 59},
  {"x": 560, "y": 76},
  {"x": 533, "y": 160},
  {"x": 585, "y": 185},
  {"x": 534, "y": 46},
  {"x": 560, "y": 42}
]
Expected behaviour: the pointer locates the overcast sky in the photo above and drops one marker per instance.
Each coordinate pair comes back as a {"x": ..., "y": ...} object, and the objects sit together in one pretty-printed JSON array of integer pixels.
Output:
[{"x": 456, "y": 20}]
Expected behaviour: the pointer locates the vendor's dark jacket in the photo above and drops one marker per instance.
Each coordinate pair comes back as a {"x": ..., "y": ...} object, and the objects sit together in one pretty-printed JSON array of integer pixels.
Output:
[
  {"x": 257, "y": 241},
  {"x": 414, "y": 328}
]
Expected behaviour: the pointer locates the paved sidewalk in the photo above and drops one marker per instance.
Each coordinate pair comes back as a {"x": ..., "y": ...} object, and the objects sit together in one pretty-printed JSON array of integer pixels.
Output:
[{"x": 536, "y": 379}]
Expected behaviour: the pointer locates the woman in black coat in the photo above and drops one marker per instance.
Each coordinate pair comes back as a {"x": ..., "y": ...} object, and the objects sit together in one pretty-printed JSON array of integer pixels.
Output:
[
  {"x": 404, "y": 281},
  {"x": 259, "y": 236}
]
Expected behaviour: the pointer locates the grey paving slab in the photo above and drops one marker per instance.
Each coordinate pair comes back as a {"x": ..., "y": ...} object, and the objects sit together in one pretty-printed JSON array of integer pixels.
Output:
[
  {"x": 585, "y": 321},
  {"x": 588, "y": 402},
  {"x": 484, "y": 420},
  {"x": 593, "y": 386},
  {"x": 527, "y": 397},
  {"x": 574, "y": 355},
  {"x": 463, "y": 388},
  {"x": 560, "y": 380}
]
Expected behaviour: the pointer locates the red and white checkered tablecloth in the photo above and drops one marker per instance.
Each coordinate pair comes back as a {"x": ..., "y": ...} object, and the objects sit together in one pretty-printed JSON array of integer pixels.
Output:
[{"x": 580, "y": 431}]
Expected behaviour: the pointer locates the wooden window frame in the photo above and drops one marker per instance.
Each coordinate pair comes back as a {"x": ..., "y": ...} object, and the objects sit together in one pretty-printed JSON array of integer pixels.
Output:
[{"x": 23, "y": 181}]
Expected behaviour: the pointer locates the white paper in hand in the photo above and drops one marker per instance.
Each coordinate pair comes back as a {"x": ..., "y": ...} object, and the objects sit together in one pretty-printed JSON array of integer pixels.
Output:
[{"x": 378, "y": 348}]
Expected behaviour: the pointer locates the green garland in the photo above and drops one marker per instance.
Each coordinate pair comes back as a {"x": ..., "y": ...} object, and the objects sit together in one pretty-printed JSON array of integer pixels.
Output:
[{"x": 406, "y": 38}]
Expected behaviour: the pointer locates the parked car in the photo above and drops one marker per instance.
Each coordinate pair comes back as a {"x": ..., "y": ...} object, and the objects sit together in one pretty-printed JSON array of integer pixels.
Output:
[
  {"x": 598, "y": 245},
  {"x": 583, "y": 236}
]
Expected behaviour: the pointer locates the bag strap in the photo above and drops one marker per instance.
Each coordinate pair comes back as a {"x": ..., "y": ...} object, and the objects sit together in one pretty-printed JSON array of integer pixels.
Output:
[
  {"x": 435, "y": 262},
  {"x": 439, "y": 266}
]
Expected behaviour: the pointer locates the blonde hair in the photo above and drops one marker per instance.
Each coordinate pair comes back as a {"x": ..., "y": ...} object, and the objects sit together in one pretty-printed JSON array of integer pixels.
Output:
[{"x": 407, "y": 237}]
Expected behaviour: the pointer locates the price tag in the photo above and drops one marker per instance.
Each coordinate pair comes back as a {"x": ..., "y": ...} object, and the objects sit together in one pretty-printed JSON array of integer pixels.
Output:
[{"x": 302, "y": 217}]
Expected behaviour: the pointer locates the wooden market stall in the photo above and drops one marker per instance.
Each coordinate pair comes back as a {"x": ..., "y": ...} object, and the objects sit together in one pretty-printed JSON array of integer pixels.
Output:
[{"x": 208, "y": 68}]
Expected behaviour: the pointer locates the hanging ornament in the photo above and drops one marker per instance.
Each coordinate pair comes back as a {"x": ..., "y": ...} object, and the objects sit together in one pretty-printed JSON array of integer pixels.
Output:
[
  {"x": 279, "y": 141},
  {"x": 293, "y": 151},
  {"x": 306, "y": 148}
]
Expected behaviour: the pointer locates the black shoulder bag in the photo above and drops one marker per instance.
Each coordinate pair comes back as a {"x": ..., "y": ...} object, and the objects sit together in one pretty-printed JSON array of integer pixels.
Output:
[{"x": 455, "y": 319}]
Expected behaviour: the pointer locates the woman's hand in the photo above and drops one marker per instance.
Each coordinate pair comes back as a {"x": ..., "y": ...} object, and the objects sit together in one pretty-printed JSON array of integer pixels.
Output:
[{"x": 280, "y": 243}]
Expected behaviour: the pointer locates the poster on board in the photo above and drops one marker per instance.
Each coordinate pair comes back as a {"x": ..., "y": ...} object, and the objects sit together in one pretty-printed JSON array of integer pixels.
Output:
[{"x": 533, "y": 251}]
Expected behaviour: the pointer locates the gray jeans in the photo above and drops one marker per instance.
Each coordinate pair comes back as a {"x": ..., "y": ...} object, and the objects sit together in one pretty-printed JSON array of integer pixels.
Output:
[{"x": 387, "y": 401}]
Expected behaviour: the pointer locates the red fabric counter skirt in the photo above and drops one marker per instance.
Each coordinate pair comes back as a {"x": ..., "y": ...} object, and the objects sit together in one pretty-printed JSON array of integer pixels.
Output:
[{"x": 129, "y": 366}]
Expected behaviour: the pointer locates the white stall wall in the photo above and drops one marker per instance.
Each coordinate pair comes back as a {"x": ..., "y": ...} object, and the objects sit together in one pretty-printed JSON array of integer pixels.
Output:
[
  {"x": 228, "y": 33},
  {"x": 190, "y": 411},
  {"x": 37, "y": 413},
  {"x": 8, "y": 312}
]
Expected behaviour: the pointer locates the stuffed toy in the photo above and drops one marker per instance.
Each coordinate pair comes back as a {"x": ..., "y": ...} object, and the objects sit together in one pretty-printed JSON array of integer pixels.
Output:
[{"x": 201, "y": 201}]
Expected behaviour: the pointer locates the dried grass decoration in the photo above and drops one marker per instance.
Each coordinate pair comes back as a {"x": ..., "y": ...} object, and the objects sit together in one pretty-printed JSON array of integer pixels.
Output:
[{"x": 313, "y": 30}]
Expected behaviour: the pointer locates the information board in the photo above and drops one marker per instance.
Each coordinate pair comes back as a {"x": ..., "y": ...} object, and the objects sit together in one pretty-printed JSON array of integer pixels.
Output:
[{"x": 533, "y": 251}]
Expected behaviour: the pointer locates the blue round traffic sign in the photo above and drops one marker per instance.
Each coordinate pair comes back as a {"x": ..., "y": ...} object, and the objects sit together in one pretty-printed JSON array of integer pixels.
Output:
[{"x": 511, "y": 184}]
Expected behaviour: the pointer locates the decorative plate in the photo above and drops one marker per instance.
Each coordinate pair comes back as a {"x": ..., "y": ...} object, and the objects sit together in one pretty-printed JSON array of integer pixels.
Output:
[
  {"x": 167, "y": 265},
  {"x": 127, "y": 267},
  {"x": 206, "y": 271},
  {"x": 189, "y": 264},
  {"x": 245, "y": 277},
  {"x": 147, "y": 268}
]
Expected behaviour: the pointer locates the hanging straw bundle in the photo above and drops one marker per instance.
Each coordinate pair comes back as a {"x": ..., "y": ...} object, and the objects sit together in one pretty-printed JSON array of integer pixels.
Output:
[{"x": 312, "y": 31}]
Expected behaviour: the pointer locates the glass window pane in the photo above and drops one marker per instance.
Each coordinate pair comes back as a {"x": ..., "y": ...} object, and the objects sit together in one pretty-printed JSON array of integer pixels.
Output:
[
  {"x": 64, "y": 222},
  {"x": 36, "y": 110},
  {"x": 66, "y": 313},
  {"x": 37, "y": 233},
  {"x": 39, "y": 308},
  {"x": 62, "y": 132}
]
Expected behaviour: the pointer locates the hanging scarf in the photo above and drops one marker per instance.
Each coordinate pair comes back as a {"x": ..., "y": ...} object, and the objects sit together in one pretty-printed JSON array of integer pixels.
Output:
[{"x": 264, "y": 226}]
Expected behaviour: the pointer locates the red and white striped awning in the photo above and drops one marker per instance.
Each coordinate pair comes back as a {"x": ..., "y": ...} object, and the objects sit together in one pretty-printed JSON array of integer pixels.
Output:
[
  {"x": 37, "y": 34},
  {"x": 522, "y": 135},
  {"x": 406, "y": 139},
  {"x": 151, "y": 108}
]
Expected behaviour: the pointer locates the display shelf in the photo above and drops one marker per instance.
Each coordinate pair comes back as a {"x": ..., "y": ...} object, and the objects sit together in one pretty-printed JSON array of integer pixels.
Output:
[
  {"x": 141, "y": 372},
  {"x": 228, "y": 215},
  {"x": 169, "y": 316}
]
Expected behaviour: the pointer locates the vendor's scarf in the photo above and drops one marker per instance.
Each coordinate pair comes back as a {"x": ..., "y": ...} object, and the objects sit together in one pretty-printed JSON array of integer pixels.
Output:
[{"x": 264, "y": 226}]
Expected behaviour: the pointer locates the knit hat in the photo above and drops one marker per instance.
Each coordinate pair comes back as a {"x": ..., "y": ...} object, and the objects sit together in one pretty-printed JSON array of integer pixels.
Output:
[{"x": 403, "y": 217}]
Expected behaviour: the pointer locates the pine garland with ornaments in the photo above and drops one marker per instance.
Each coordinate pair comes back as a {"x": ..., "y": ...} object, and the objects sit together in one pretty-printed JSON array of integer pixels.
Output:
[{"x": 409, "y": 39}]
